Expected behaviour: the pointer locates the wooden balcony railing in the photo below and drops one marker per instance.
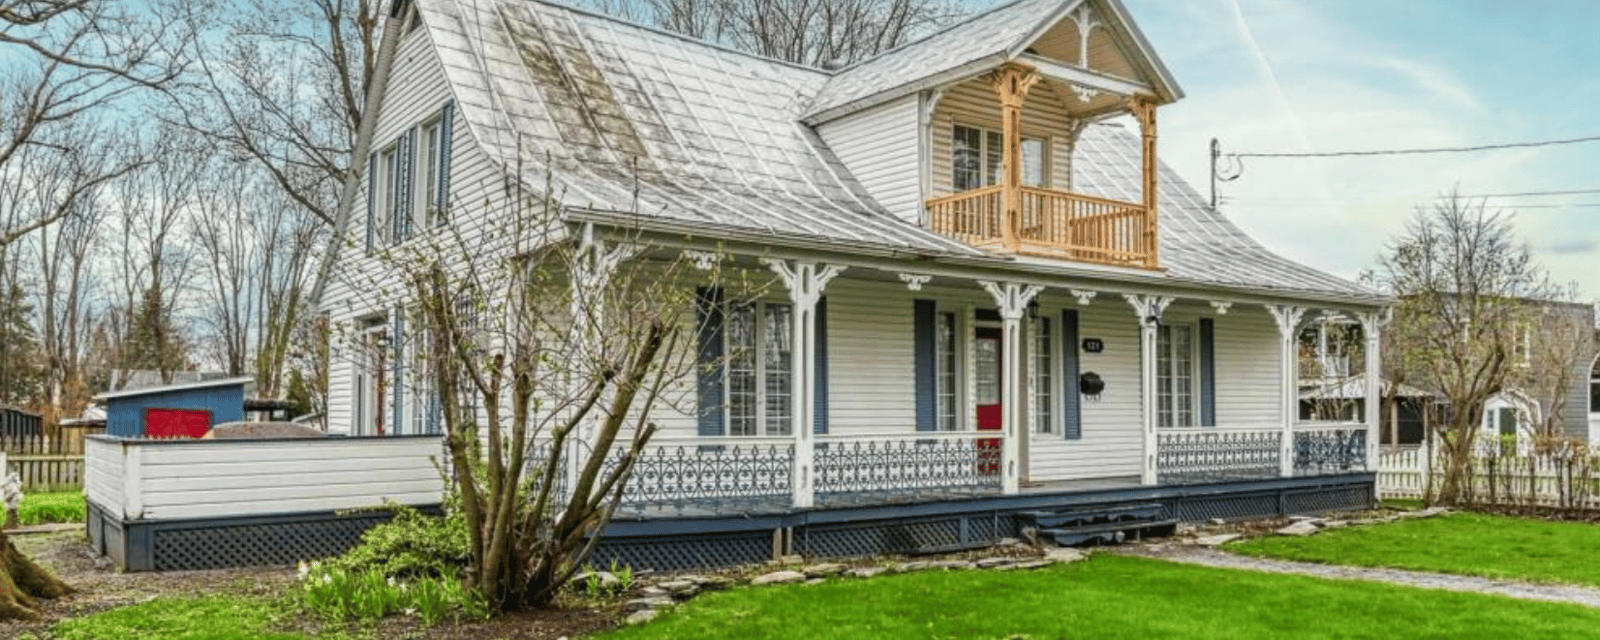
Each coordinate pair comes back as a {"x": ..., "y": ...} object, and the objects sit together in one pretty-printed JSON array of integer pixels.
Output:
[{"x": 1053, "y": 224}]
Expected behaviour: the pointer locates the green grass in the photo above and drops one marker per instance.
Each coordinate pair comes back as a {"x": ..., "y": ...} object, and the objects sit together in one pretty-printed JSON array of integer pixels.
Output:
[
  {"x": 60, "y": 506},
  {"x": 1460, "y": 543},
  {"x": 202, "y": 618},
  {"x": 1111, "y": 597}
]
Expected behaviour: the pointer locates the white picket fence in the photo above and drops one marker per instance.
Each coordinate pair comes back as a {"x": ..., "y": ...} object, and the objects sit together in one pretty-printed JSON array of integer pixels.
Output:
[{"x": 1542, "y": 480}]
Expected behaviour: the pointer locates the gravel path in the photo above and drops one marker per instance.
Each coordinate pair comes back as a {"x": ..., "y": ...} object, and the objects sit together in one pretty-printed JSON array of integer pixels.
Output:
[{"x": 1210, "y": 557}]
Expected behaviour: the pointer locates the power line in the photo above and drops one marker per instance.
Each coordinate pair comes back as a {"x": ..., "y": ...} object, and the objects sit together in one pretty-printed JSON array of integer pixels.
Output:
[{"x": 1417, "y": 151}]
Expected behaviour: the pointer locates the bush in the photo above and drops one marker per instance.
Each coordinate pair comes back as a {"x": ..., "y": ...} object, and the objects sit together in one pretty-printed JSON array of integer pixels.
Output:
[{"x": 409, "y": 565}]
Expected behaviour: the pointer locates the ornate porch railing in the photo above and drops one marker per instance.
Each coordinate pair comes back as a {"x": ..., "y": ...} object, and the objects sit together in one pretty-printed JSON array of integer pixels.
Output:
[
  {"x": 1051, "y": 223},
  {"x": 885, "y": 467},
  {"x": 1195, "y": 455},
  {"x": 1324, "y": 448},
  {"x": 716, "y": 475}
]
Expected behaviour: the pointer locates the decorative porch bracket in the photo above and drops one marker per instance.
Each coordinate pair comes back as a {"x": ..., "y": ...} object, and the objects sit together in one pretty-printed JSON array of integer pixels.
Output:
[
  {"x": 1372, "y": 326},
  {"x": 1288, "y": 319},
  {"x": 805, "y": 282},
  {"x": 1013, "y": 299},
  {"x": 1148, "y": 309}
]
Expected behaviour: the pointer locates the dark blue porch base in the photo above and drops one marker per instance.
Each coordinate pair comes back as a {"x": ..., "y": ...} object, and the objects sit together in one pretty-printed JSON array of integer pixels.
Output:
[
  {"x": 219, "y": 543},
  {"x": 947, "y": 525}
]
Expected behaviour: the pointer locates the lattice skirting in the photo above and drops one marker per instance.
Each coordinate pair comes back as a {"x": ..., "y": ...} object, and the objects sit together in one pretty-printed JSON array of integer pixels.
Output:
[
  {"x": 228, "y": 542},
  {"x": 697, "y": 551}
]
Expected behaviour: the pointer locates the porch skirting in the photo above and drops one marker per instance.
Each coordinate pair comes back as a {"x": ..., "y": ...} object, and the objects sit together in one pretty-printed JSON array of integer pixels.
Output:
[
  {"x": 670, "y": 544},
  {"x": 220, "y": 543}
]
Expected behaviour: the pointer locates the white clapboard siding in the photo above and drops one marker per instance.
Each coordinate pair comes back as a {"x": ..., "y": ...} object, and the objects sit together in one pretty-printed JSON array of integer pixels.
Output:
[
  {"x": 103, "y": 463},
  {"x": 180, "y": 480},
  {"x": 1249, "y": 386},
  {"x": 879, "y": 147},
  {"x": 1112, "y": 441}
]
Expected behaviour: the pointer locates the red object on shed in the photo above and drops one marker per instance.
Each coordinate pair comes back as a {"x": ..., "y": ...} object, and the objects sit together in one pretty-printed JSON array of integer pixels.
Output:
[{"x": 176, "y": 423}]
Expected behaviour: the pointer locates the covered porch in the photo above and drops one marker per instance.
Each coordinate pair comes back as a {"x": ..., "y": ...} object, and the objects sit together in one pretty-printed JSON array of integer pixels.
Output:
[{"x": 902, "y": 387}]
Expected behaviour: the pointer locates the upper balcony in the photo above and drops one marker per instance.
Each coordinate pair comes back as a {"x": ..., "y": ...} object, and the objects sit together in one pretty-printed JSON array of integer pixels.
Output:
[{"x": 1003, "y": 152}]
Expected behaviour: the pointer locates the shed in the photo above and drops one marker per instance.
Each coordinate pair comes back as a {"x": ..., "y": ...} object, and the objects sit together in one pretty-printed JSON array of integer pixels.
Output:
[{"x": 176, "y": 410}]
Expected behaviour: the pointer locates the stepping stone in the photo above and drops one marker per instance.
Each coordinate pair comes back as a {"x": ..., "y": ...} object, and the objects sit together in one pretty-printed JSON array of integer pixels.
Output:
[
  {"x": 1301, "y": 528},
  {"x": 866, "y": 572},
  {"x": 642, "y": 616},
  {"x": 779, "y": 577},
  {"x": 1063, "y": 555},
  {"x": 1217, "y": 540},
  {"x": 823, "y": 570}
]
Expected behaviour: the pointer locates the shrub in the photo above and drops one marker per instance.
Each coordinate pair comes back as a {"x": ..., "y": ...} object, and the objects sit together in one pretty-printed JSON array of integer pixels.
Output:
[{"x": 409, "y": 565}]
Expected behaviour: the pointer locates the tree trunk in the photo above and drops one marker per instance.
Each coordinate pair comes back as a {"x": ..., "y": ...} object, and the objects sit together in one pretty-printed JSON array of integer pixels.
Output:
[{"x": 22, "y": 582}]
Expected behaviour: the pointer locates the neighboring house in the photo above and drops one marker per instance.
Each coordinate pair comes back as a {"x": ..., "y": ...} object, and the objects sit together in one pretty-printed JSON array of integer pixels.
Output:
[{"x": 979, "y": 240}]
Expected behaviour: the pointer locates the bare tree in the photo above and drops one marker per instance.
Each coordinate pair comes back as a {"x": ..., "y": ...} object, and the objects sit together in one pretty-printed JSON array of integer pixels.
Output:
[
  {"x": 812, "y": 32},
  {"x": 282, "y": 85},
  {"x": 1465, "y": 288}
]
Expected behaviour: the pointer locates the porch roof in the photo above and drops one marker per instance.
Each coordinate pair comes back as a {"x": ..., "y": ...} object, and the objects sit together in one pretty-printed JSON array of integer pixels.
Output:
[{"x": 645, "y": 128}]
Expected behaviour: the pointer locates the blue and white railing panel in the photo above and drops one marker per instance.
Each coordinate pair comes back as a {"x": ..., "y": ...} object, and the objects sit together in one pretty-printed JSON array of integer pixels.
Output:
[
  {"x": 1193, "y": 455},
  {"x": 712, "y": 474},
  {"x": 909, "y": 463},
  {"x": 1322, "y": 448}
]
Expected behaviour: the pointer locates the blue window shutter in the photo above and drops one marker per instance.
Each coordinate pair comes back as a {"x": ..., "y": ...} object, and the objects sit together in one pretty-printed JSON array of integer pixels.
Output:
[
  {"x": 407, "y": 178},
  {"x": 819, "y": 416},
  {"x": 372, "y": 192},
  {"x": 446, "y": 135},
  {"x": 1208, "y": 373},
  {"x": 708, "y": 358},
  {"x": 397, "y": 347},
  {"x": 926, "y": 367},
  {"x": 1071, "y": 398}
]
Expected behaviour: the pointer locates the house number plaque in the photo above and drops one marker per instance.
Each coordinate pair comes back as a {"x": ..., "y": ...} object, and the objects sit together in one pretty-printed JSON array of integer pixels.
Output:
[{"x": 1093, "y": 345}]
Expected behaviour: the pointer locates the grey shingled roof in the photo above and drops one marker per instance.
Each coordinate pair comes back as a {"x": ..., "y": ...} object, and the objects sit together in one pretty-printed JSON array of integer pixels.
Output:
[
  {"x": 984, "y": 38},
  {"x": 707, "y": 135},
  {"x": 713, "y": 139}
]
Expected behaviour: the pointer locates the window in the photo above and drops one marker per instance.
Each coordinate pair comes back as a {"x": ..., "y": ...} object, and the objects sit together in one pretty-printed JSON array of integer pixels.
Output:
[
  {"x": 372, "y": 377},
  {"x": 760, "y": 369},
  {"x": 1175, "y": 376},
  {"x": 382, "y": 195},
  {"x": 427, "y": 213},
  {"x": 1594, "y": 387},
  {"x": 975, "y": 156},
  {"x": 1043, "y": 381},
  {"x": 945, "y": 353}
]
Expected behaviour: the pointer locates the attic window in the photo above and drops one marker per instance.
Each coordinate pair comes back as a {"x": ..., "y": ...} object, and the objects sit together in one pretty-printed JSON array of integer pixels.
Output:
[{"x": 975, "y": 159}]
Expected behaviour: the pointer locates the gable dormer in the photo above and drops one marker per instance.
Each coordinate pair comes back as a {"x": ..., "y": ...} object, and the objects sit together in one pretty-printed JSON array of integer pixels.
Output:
[{"x": 989, "y": 112}]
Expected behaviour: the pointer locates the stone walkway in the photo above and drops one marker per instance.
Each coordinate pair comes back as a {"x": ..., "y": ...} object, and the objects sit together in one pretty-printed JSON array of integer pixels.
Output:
[{"x": 1210, "y": 557}]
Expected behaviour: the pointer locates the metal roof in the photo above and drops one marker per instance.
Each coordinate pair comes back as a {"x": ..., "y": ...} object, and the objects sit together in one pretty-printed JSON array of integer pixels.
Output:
[{"x": 624, "y": 118}]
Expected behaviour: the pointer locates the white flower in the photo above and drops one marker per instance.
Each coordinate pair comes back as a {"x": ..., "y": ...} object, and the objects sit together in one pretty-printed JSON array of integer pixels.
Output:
[
  {"x": 304, "y": 570},
  {"x": 327, "y": 579},
  {"x": 411, "y": 612},
  {"x": 391, "y": 581}
]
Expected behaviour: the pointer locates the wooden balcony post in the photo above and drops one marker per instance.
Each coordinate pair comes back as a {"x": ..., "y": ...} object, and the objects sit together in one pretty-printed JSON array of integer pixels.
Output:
[
  {"x": 1011, "y": 83},
  {"x": 1144, "y": 110}
]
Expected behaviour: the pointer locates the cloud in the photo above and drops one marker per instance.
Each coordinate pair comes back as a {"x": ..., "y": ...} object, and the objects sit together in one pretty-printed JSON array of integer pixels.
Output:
[{"x": 1583, "y": 245}]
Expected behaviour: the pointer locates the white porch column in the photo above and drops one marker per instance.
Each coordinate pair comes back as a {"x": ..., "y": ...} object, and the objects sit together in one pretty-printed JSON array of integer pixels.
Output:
[
  {"x": 592, "y": 265},
  {"x": 805, "y": 281},
  {"x": 1013, "y": 299},
  {"x": 1148, "y": 310},
  {"x": 1288, "y": 319},
  {"x": 1371, "y": 330}
]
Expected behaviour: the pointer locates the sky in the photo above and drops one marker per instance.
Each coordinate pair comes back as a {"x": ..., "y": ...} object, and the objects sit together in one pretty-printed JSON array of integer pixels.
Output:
[{"x": 1324, "y": 75}]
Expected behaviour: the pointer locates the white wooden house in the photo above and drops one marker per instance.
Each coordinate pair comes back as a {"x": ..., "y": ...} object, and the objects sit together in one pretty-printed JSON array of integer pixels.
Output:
[{"x": 1001, "y": 302}]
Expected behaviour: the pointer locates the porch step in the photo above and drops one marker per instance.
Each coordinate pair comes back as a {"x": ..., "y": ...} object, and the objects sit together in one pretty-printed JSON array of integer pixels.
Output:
[{"x": 1105, "y": 523}]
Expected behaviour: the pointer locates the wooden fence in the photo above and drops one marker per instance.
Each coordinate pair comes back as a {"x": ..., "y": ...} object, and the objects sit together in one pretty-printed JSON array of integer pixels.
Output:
[
  {"x": 1567, "y": 480},
  {"x": 43, "y": 462}
]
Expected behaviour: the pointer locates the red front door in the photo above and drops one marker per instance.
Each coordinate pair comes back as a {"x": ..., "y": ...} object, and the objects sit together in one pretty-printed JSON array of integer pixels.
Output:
[{"x": 986, "y": 347}]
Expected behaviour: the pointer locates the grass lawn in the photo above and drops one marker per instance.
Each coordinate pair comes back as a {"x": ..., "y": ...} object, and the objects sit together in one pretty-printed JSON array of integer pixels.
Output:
[
  {"x": 1111, "y": 597},
  {"x": 199, "y": 618},
  {"x": 58, "y": 506},
  {"x": 1461, "y": 543}
]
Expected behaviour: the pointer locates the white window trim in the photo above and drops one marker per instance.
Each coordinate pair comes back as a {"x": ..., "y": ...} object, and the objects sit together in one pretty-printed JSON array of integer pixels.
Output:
[
  {"x": 763, "y": 428},
  {"x": 1194, "y": 378},
  {"x": 373, "y": 332},
  {"x": 1046, "y": 150},
  {"x": 425, "y": 187},
  {"x": 382, "y": 195}
]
